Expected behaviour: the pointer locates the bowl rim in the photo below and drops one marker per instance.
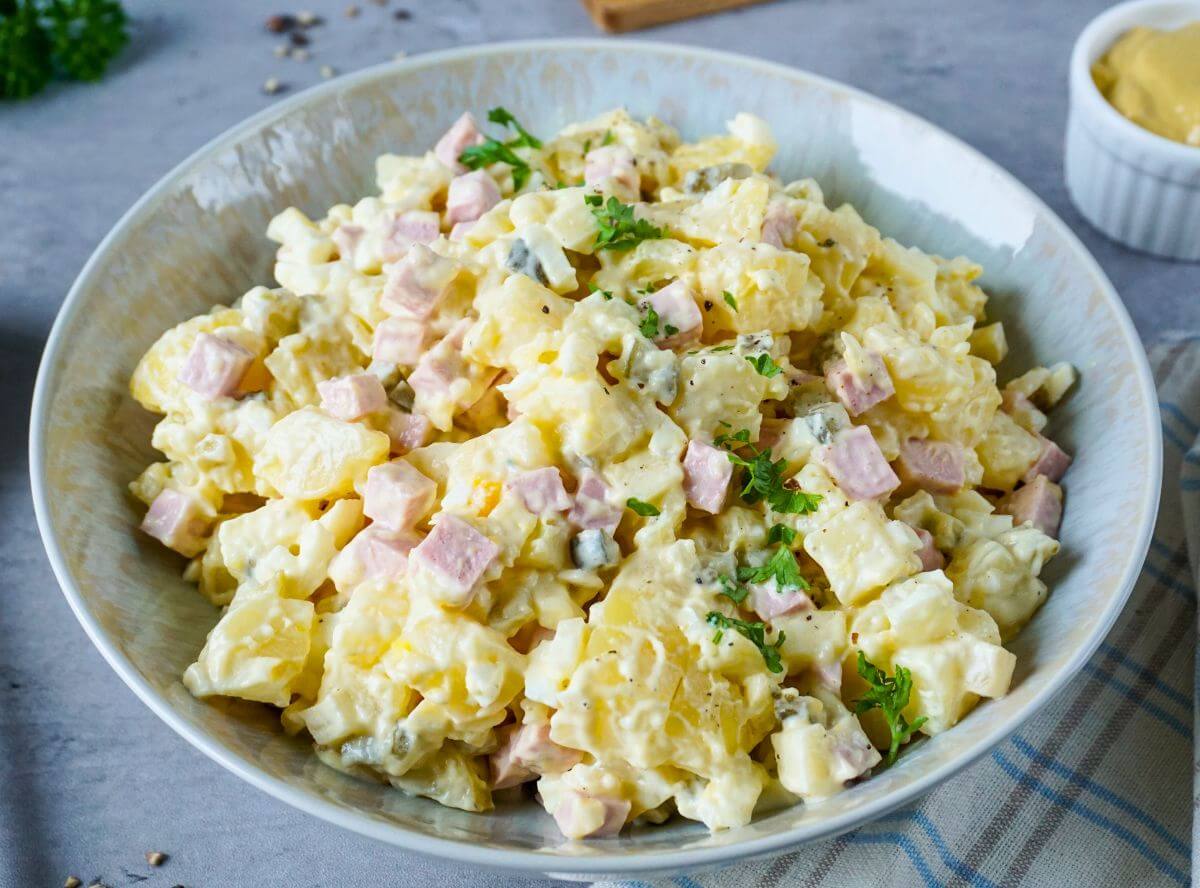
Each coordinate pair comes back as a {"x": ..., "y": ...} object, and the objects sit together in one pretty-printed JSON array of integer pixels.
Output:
[
  {"x": 547, "y": 860},
  {"x": 1096, "y": 38}
]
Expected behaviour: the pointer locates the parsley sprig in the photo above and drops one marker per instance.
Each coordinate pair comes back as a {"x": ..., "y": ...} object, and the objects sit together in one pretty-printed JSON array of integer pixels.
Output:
[
  {"x": 78, "y": 38},
  {"x": 781, "y": 566},
  {"x": 755, "y": 632},
  {"x": 729, "y": 300},
  {"x": 762, "y": 478},
  {"x": 492, "y": 150},
  {"x": 890, "y": 695},
  {"x": 643, "y": 508},
  {"x": 764, "y": 364},
  {"x": 649, "y": 324},
  {"x": 616, "y": 227}
]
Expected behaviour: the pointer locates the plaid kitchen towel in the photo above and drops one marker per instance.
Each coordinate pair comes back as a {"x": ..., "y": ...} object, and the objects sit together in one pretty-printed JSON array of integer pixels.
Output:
[{"x": 1098, "y": 788}]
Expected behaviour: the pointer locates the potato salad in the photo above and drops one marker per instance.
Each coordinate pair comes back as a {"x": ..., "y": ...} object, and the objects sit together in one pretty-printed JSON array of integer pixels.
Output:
[{"x": 611, "y": 470}]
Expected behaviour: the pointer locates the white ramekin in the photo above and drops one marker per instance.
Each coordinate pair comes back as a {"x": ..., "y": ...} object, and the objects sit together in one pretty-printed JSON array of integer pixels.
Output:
[{"x": 1137, "y": 187}]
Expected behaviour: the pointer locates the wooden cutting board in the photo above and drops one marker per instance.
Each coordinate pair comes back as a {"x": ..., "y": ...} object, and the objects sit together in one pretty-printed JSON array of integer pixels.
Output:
[{"x": 630, "y": 15}]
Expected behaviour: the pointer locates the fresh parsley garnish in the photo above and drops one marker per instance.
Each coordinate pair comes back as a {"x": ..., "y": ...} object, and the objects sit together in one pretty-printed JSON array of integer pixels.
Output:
[
  {"x": 592, "y": 288},
  {"x": 762, "y": 478},
  {"x": 755, "y": 632},
  {"x": 722, "y": 348},
  {"x": 781, "y": 533},
  {"x": 524, "y": 138},
  {"x": 617, "y": 229},
  {"x": 492, "y": 150},
  {"x": 645, "y": 509},
  {"x": 732, "y": 589},
  {"x": 608, "y": 139},
  {"x": 729, "y": 300},
  {"x": 781, "y": 566},
  {"x": 649, "y": 324},
  {"x": 76, "y": 37},
  {"x": 890, "y": 695},
  {"x": 764, "y": 364},
  {"x": 670, "y": 329}
]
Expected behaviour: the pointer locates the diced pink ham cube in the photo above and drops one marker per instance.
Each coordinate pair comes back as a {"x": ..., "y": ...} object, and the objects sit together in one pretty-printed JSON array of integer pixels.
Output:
[
  {"x": 576, "y": 812},
  {"x": 177, "y": 521},
  {"x": 416, "y": 284},
  {"x": 348, "y": 237},
  {"x": 534, "y": 747},
  {"x": 856, "y": 464},
  {"x": 612, "y": 168},
  {"x": 397, "y": 495},
  {"x": 1053, "y": 462},
  {"x": 779, "y": 224},
  {"x": 592, "y": 508},
  {"x": 859, "y": 395},
  {"x": 706, "y": 474},
  {"x": 400, "y": 340},
  {"x": 526, "y": 752},
  {"x": 378, "y": 553},
  {"x": 931, "y": 556},
  {"x": 457, "y": 556},
  {"x": 679, "y": 318},
  {"x": 470, "y": 196},
  {"x": 410, "y": 227},
  {"x": 215, "y": 366},
  {"x": 507, "y": 770},
  {"x": 829, "y": 674},
  {"x": 433, "y": 375},
  {"x": 462, "y": 134},
  {"x": 853, "y": 754},
  {"x": 351, "y": 397},
  {"x": 542, "y": 491},
  {"x": 1039, "y": 502},
  {"x": 936, "y": 466},
  {"x": 769, "y": 601},
  {"x": 408, "y": 431},
  {"x": 460, "y": 229}
]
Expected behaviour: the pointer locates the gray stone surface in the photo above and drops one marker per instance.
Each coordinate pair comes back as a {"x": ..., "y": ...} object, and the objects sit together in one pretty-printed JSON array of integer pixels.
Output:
[{"x": 91, "y": 779}]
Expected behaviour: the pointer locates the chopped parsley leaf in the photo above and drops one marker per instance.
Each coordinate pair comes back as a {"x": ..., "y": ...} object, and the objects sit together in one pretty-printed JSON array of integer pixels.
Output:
[
  {"x": 670, "y": 330},
  {"x": 492, "y": 150},
  {"x": 592, "y": 288},
  {"x": 732, "y": 589},
  {"x": 781, "y": 566},
  {"x": 729, "y": 300},
  {"x": 649, "y": 324},
  {"x": 722, "y": 348},
  {"x": 764, "y": 364},
  {"x": 608, "y": 138},
  {"x": 762, "y": 478},
  {"x": 617, "y": 229},
  {"x": 524, "y": 138},
  {"x": 756, "y": 633},
  {"x": 781, "y": 533},
  {"x": 646, "y": 510},
  {"x": 890, "y": 695}
]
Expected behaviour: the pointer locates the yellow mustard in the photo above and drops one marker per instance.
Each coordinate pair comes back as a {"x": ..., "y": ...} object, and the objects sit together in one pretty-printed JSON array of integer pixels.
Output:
[{"x": 1153, "y": 78}]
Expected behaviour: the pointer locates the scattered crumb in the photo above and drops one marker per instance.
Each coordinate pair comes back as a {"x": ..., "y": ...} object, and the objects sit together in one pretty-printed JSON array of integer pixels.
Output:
[
  {"x": 308, "y": 19},
  {"x": 328, "y": 71},
  {"x": 380, "y": 2},
  {"x": 282, "y": 50},
  {"x": 300, "y": 55},
  {"x": 299, "y": 39},
  {"x": 277, "y": 24},
  {"x": 402, "y": 15},
  {"x": 155, "y": 858},
  {"x": 72, "y": 882},
  {"x": 352, "y": 11},
  {"x": 272, "y": 86}
]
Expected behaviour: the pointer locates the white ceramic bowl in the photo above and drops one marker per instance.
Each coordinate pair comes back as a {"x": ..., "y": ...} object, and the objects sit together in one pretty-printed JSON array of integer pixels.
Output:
[
  {"x": 197, "y": 239},
  {"x": 1135, "y": 186}
]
